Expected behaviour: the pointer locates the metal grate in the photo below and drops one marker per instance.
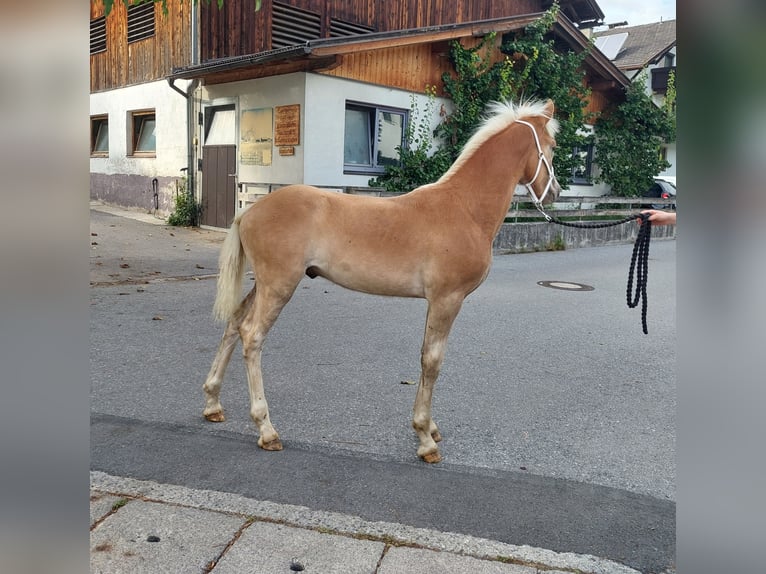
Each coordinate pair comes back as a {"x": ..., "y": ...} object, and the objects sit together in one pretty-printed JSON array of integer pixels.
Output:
[
  {"x": 98, "y": 35},
  {"x": 140, "y": 21},
  {"x": 339, "y": 28},
  {"x": 292, "y": 26}
]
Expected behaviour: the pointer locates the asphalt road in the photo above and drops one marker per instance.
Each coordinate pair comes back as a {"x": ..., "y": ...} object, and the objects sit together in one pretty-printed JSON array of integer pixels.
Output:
[{"x": 558, "y": 414}]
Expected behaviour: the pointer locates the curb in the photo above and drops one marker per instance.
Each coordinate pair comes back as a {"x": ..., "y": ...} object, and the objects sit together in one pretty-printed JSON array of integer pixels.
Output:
[{"x": 332, "y": 523}]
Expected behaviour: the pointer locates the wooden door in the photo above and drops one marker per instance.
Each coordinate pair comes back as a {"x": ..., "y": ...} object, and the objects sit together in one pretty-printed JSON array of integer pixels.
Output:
[{"x": 219, "y": 194}]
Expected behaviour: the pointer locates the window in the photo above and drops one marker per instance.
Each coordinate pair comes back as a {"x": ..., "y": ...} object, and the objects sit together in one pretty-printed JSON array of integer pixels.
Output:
[
  {"x": 98, "y": 35},
  {"x": 140, "y": 21},
  {"x": 372, "y": 136},
  {"x": 220, "y": 125},
  {"x": 142, "y": 137},
  {"x": 99, "y": 136},
  {"x": 582, "y": 170}
]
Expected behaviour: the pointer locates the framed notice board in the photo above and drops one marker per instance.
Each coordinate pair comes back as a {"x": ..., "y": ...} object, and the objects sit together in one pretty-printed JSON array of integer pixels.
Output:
[{"x": 287, "y": 125}]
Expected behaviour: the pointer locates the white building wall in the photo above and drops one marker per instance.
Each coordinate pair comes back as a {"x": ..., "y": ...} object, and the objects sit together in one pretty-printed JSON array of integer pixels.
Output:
[
  {"x": 325, "y": 123},
  {"x": 318, "y": 159},
  {"x": 126, "y": 180},
  {"x": 265, "y": 93}
]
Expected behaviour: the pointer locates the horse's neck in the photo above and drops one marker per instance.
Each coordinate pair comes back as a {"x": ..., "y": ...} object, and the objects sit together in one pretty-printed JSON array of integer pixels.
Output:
[{"x": 485, "y": 187}]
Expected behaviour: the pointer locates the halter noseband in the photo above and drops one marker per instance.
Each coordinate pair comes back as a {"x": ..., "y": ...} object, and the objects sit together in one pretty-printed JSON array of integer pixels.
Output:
[{"x": 551, "y": 177}]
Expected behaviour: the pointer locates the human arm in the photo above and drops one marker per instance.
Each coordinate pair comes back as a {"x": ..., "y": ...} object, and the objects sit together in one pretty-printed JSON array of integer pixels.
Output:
[{"x": 657, "y": 217}]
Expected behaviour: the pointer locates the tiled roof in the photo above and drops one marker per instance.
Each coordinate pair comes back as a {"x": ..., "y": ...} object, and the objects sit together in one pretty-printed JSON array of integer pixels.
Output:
[{"x": 643, "y": 44}]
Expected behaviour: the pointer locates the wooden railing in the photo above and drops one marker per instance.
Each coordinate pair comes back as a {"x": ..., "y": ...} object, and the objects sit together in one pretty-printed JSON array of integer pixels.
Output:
[{"x": 586, "y": 207}]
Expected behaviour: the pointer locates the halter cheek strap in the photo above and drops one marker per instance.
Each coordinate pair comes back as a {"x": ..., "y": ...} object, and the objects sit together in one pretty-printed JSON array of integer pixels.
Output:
[{"x": 540, "y": 162}]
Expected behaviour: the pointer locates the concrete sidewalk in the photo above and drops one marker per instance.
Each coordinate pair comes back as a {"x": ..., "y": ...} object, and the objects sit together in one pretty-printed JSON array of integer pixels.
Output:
[{"x": 145, "y": 527}]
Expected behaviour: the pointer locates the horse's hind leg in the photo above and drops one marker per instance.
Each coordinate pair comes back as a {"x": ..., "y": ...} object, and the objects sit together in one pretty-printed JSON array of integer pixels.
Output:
[
  {"x": 212, "y": 387},
  {"x": 254, "y": 328},
  {"x": 441, "y": 315}
]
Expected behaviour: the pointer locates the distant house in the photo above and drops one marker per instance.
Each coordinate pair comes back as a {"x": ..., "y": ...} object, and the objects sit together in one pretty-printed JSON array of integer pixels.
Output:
[
  {"x": 649, "y": 48},
  {"x": 302, "y": 91}
]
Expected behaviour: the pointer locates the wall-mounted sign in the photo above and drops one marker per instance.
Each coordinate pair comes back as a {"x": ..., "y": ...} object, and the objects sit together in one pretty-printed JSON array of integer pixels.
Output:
[
  {"x": 256, "y": 135},
  {"x": 287, "y": 125},
  {"x": 287, "y": 150}
]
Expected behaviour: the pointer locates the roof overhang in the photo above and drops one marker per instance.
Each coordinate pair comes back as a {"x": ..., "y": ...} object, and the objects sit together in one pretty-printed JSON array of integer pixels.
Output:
[{"x": 324, "y": 53}]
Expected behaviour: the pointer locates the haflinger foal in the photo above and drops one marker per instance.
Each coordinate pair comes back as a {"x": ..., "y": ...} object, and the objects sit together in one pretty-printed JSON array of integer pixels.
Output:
[{"x": 434, "y": 242}]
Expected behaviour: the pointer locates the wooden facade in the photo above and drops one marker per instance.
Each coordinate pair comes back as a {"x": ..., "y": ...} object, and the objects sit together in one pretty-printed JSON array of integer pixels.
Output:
[
  {"x": 126, "y": 63},
  {"x": 236, "y": 29},
  {"x": 411, "y": 68}
]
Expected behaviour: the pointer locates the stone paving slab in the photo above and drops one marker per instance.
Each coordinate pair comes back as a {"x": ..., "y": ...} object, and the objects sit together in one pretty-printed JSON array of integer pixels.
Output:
[
  {"x": 266, "y": 548},
  {"x": 148, "y": 538}
]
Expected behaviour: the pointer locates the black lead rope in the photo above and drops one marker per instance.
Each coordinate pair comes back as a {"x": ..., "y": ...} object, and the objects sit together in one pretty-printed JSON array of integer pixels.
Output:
[{"x": 639, "y": 261}]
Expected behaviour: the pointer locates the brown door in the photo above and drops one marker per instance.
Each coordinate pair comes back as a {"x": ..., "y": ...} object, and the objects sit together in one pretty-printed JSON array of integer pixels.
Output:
[{"x": 219, "y": 164}]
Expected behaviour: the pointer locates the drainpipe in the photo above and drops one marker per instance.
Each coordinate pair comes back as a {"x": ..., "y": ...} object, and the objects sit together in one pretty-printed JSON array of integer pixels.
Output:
[
  {"x": 190, "y": 120},
  {"x": 189, "y": 129}
]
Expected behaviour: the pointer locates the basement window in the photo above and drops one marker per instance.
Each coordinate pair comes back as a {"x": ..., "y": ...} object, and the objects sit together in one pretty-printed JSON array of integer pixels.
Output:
[
  {"x": 143, "y": 140},
  {"x": 372, "y": 138},
  {"x": 140, "y": 21},
  {"x": 99, "y": 136}
]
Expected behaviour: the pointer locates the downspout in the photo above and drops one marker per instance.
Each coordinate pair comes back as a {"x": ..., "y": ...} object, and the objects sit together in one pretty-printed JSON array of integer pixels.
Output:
[
  {"x": 189, "y": 129},
  {"x": 190, "y": 121}
]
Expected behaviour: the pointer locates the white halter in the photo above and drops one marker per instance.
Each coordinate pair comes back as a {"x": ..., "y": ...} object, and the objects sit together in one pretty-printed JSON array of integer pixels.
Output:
[{"x": 551, "y": 177}]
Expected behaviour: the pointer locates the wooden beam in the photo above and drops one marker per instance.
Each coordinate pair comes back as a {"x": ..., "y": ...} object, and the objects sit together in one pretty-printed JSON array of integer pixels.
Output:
[
  {"x": 273, "y": 69},
  {"x": 463, "y": 31}
]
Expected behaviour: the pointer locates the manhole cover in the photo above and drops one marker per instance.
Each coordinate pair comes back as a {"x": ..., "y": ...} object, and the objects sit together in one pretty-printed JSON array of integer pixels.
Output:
[{"x": 565, "y": 285}]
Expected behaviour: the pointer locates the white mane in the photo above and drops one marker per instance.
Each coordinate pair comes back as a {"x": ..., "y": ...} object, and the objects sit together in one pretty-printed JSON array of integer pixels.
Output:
[{"x": 499, "y": 115}]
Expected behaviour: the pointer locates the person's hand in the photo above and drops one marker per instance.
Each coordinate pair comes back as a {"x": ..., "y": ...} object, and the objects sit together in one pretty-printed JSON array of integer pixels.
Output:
[{"x": 657, "y": 217}]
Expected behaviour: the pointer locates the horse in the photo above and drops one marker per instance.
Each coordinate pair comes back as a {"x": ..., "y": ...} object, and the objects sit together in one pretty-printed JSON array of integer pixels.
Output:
[{"x": 434, "y": 242}]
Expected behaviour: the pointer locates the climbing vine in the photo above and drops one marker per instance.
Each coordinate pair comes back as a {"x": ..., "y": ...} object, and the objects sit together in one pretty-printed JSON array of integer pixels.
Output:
[
  {"x": 629, "y": 139},
  {"x": 421, "y": 161}
]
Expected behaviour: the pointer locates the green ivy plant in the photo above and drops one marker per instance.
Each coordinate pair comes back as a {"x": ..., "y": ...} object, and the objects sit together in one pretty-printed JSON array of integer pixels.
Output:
[
  {"x": 419, "y": 161},
  {"x": 629, "y": 138}
]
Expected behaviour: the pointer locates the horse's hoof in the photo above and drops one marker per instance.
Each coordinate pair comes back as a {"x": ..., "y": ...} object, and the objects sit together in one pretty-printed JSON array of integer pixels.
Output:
[
  {"x": 215, "y": 417},
  {"x": 432, "y": 457},
  {"x": 437, "y": 436},
  {"x": 274, "y": 444}
]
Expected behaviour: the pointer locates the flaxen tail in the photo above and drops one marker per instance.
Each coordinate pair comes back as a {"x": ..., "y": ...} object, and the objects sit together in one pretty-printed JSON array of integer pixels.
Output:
[{"x": 231, "y": 269}]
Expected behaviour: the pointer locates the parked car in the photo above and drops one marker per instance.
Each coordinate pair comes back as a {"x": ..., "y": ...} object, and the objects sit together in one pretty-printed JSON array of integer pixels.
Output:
[{"x": 663, "y": 187}]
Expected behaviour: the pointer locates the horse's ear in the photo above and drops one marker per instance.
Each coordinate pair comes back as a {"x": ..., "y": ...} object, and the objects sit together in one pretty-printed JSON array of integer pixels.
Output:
[{"x": 549, "y": 108}]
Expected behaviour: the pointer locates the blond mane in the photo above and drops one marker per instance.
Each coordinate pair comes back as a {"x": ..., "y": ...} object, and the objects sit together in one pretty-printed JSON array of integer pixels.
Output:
[{"x": 498, "y": 116}]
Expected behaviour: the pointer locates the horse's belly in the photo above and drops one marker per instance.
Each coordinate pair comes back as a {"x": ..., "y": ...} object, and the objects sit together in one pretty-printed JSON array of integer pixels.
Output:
[{"x": 375, "y": 280}]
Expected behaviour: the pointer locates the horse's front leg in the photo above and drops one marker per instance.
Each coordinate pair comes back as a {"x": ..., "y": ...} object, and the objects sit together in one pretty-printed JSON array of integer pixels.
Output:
[
  {"x": 441, "y": 315},
  {"x": 212, "y": 387}
]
